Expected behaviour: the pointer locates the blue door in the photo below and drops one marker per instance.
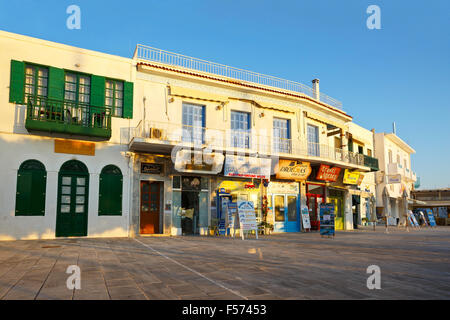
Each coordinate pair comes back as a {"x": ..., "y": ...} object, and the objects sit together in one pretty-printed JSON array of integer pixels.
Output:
[{"x": 286, "y": 213}]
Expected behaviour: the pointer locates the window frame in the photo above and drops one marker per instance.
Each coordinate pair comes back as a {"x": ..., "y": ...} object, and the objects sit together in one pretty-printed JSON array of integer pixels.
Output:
[
  {"x": 77, "y": 92},
  {"x": 36, "y": 67},
  {"x": 239, "y": 132},
  {"x": 113, "y": 107}
]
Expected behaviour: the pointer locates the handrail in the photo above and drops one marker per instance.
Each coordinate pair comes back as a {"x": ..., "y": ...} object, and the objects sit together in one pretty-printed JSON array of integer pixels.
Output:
[{"x": 175, "y": 59}]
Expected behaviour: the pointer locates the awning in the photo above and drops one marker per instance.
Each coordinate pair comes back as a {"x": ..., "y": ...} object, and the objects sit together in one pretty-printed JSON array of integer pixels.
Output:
[
  {"x": 414, "y": 201},
  {"x": 268, "y": 105},
  {"x": 196, "y": 94},
  {"x": 325, "y": 120}
]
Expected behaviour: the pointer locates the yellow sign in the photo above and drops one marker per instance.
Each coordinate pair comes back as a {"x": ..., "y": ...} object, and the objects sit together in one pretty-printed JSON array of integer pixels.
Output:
[
  {"x": 288, "y": 169},
  {"x": 75, "y": 147},
  {"x": 354, "y": 177}
]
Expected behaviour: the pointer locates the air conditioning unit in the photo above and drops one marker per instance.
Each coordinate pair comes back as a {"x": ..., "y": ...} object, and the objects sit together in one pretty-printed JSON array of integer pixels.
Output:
[{"x": 156, "y": 133}]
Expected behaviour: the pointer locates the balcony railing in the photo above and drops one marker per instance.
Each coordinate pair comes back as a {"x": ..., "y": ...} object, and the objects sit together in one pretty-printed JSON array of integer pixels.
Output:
[
  {"x": 371, "y": 162},
  {"x": 179, "y": 60},
  {"x": 44, "y": 114},
  {"x": 165, "y": 133}
]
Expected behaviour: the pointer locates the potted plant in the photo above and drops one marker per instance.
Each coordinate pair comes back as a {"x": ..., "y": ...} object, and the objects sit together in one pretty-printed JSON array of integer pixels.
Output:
[{"x": 268, "y": 227}]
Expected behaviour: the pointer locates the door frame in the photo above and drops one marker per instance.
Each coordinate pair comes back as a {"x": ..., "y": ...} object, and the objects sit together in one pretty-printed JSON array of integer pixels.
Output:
[
  {"x": 161, "y": 204},
  {"x": 86, "y": 175},
  {"x": 286, "y": 223}
]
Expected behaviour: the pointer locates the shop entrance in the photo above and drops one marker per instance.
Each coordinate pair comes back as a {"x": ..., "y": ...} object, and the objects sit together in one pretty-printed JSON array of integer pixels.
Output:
[
  {"x": 315, "y": 195},
  {"x": 73, "y": 190},
  {"x": 190, "y": 212},
  {"x": 150, "y": 207},
  {"x": 356, "y": 200},
  {"x": 337, "y": 198},
  {"x": 286, "y": 210}
]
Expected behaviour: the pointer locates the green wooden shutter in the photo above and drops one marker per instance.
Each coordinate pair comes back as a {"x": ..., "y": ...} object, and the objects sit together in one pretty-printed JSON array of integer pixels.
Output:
[
  {"x": 30, "y": 195},
  {"x": 350, "y": 145},
  {"x": 110, "y": 195},
  {"x": 128, "y": 100},
  {"x": 97, "y": 91},
  {"x": 56, "y": 83},
  {"x": 17, "y": 82}
]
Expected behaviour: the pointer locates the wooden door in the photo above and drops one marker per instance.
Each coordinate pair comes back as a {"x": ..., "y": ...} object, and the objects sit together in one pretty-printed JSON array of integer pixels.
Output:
[{"x": 150, "y": 207}]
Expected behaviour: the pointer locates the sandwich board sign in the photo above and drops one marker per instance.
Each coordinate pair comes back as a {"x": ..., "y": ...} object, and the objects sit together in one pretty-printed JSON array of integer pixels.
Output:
[
  {"x": 231, "y": 214},
  {"x": 327, "y": 219},
  {"x": 431, "y": 218},
  {"x": 423, "y": 218},
  {"x": 247, "y": 218},
  {"x": 412, "y": 219},
  {"x": 305, "y": 218}
]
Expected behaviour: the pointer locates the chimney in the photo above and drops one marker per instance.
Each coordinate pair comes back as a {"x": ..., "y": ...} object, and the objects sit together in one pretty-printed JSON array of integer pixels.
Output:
[
  {"x": 316, "y": 90},
  {"x": 394, "y": 131}
]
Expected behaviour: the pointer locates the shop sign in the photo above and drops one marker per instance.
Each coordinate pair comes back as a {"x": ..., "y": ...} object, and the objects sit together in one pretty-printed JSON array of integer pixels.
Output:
[
  {"x": 152, "y": 168},
  {"x": 328, "y": 174},
  {"x": 247, "y": 218},
  {"x": 283, "y": 187},
  {"x": 288, "y": 169},
  {"x": 198, "y": 162},
  {"x": 327, "y": 219},
  {"x": 247, "y": 167},
  {"x": 351, "y": 177},
  {"x": 75, "y": 147},
  {"x": 394, "y": 179}
]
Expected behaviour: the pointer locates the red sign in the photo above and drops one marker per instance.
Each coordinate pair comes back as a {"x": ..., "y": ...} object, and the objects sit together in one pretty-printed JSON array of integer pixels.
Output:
[{"x": 328, "y": 174}]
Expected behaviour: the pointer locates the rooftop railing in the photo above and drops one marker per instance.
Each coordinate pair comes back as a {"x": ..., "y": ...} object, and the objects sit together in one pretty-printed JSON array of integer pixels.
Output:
[{"x": 179, "y": 60}]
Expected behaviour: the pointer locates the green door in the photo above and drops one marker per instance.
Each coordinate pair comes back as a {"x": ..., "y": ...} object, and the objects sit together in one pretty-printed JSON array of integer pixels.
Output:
[{"x": 72, "y": 211}]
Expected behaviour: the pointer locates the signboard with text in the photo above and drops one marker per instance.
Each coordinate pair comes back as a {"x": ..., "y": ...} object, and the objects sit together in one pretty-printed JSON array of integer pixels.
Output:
[
  {"x": 305, "y": 218},
  {"x": 247, "y": 167},
  {"x": 327, "y": 219},
  {"x": 326, "y": 173},
  {"x": 431, "y": 218},
  {"x": 292, "y": 170},
  {"x": 247, "y": 218}
]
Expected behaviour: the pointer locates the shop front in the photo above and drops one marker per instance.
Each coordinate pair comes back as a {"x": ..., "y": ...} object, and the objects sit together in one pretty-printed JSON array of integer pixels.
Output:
[
  {"x": 242, "y": 180},
  {"x": 284, "y": 203},
  {"x": 316, "y": 189},
  {"x": 336, "y": 197}
]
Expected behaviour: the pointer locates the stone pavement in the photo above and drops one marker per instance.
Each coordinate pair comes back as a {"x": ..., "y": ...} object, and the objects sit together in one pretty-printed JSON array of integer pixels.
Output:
[{"x": 414, "y": 265}]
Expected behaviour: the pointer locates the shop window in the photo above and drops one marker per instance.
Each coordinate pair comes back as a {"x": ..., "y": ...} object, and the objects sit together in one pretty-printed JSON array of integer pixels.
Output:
[
  {"x": 31, "y": 184},
  {"x": 110, "y": 192}
]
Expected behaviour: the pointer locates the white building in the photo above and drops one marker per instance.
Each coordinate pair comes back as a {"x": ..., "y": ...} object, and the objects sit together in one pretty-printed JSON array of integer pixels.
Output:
[{"x": 396, "y": 179}]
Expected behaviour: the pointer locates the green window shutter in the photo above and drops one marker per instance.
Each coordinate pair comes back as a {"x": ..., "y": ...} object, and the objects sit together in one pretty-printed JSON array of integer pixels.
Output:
[
  {"x": 17, "y": 82},
  {"x": 56, "y": 83},
  {"x": 350, "y": 145},
  {"x": 30, "y": 196},
  {"x": 97, "y": 91},
  {"x": 110, "y": 195},
  {"x": 128, "y": 100}
]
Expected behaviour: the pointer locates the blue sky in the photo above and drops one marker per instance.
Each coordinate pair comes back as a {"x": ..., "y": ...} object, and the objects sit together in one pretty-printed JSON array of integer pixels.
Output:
[{"x": 400, "y": 73}]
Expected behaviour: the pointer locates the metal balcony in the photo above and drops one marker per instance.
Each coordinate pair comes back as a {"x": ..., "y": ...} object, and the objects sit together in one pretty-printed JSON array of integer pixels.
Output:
[
  {"x": 163, "y": 137},
  {"x": 371, "y": 162},
  {"x": 50, "y": 115},
  {"x": 174, "y": 59}
]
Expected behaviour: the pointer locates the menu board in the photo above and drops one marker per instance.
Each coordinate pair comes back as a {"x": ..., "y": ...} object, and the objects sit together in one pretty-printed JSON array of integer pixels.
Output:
[
  {"x": 412, "y": 219},
  {"x": 305, "y": 218},
  {"x": 327, "y": 219}
]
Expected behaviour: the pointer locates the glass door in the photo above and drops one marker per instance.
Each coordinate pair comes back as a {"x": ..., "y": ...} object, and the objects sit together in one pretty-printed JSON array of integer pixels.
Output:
[{"x": 286, "y": 211}]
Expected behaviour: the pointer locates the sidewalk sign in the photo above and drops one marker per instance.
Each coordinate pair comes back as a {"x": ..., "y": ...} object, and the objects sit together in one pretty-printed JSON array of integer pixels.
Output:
[
  {"x": 246, "y": 217},
  {"x": 327, "y": 219},
  {"x": 305, "y": 218},
  {"x": 412, "y": 219},
  {"x": 423, "y": 218},
  {"x": 431, "y": 218}
]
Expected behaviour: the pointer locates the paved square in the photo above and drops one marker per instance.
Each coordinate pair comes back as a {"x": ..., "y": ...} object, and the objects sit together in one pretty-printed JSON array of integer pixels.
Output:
[{"x": 414, "y": 265}]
